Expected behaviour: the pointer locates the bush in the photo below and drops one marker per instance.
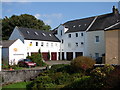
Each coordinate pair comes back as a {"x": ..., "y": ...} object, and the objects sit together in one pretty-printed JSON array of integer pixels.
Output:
[
  {"x": 83, "y": 82},
  {"x": 36, "y": 57},
  {"x": 41, "y": 82},
  {"x": 82, "y": 63},
  {"x": 61, "y": 68},
  {"x": 113, "y": 79}
]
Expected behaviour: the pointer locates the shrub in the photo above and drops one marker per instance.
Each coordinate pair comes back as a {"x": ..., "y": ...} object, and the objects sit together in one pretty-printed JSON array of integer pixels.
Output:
[
  {"x": 83, "y": 82},
  {"x": 60, "y": 78},
  {"x": 61, "y": 68},
  {"x": 82, "y": 63},
  {"x": 41, "y": 82},
  {"x": 37, "y": 58},
  {"x": 113, "y": 79}
]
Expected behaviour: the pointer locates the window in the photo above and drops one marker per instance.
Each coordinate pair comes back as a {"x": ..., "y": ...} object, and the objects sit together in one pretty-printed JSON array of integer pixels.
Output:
[
  {"x": 62, "y": 41},
  {"x": 69, "y": 45},
  {"x": 43, "y": 34},
  {"x": 79, "y": 25},
  {"x": 36, "y": 33},
  {"x": 41, "y": 43},
  {"x": 96, "y": 55},
  {"x": 51, "y": 44},
  {"x": 82, "y": 43},
  {"x": 97, "y": 39},
  {"x": 77, "y": 44},
  {"x": 69, "y": 35},
  {"x": 50, "y": 35},
  {"x": 76, "y": 34},
  {"x": 36, "y": 43},
  {"x": 74, "y": 26},
  {"x": 81, "y": 34},
  {"x": 47, "y": 44},
  {"x": 56, "y": 44},
  {"x": 28, "y": 32},
  {"x": 30, "y": 44},
  {"x": 61, "y": 32}
]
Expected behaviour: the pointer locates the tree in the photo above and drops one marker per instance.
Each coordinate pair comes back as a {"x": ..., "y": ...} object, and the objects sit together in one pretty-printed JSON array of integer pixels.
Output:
[{"x": 23, "y": 20}]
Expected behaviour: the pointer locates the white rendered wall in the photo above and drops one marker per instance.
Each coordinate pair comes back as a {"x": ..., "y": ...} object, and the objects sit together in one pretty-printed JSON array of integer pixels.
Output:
[
  {"x": 52, "y": 46},
  {"x": 92, "y": 46},
  {"x": 20, "y": 53}
]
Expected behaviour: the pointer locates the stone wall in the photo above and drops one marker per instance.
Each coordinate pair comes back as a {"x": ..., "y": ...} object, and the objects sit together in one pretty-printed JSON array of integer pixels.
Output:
[{"x": 18, "y": 75}]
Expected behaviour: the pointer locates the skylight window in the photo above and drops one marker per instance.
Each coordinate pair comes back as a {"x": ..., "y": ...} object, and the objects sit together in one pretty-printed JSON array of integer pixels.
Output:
[
  {"x": 117, "y": 20},
  {"x": 74, "y": 26},
  {"x": 79, "y": 25},
  {"x": 50, "y": 35},
  {"x": 28, "y": 32},
  {"x": 36, "y": 33},
  {"x": 43, "y": 34},
  {"x": 85, "y": 24}
]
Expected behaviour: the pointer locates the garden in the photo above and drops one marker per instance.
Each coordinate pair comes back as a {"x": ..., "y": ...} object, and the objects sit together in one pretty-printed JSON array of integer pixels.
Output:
[{"x": 81, "y": 73}]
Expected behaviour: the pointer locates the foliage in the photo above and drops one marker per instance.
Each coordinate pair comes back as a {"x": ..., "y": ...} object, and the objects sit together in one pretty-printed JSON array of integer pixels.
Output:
[
  {"x": 113, "y": 79},
  {"x": 82, "y": 82},
  {"x": 61, "y": 68},
  {"x": 5, "y": 64},
  {"x": 23, "y": 20},
  {"x": 82, "y": 63},
  {"x": 48, "y": 56},
  {"x": 100, "y": 73},
  {"x": 37, "y": 58}
]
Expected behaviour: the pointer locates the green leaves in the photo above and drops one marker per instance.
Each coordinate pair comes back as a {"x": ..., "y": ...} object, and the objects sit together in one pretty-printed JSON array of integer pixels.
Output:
[{"x": 23, "y": 20}]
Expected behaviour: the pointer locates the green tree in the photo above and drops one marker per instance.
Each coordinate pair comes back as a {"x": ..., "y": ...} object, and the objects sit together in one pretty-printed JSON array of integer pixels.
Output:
[
  {"x": 23, "y": 20},
  {"x": 37, "y": 58}
]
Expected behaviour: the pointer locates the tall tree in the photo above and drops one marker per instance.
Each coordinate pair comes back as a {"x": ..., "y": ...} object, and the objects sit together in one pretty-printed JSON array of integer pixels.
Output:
[{"x": 23, "y": 20}]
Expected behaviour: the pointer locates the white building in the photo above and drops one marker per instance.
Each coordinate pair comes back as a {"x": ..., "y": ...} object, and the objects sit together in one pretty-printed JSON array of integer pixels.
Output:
[
  {"x": 13, "y": 51},
  {"x": 38, "y": 39},
  {"x": 85, "y": 37}
]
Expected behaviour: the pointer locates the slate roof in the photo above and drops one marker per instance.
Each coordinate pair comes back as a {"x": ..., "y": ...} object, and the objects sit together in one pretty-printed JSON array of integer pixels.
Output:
[
  {"x": 33, "y": 34},
  {"x": 8, "y": 43},
  {"x": 101, "y": 22}
]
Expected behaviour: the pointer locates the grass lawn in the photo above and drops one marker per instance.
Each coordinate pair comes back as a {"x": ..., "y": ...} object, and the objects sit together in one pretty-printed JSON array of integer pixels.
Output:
[{"x": 16, "y": 85}]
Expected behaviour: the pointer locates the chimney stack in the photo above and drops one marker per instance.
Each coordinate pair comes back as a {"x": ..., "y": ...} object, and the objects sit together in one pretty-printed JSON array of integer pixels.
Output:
[{"x": 115, "y": 10}]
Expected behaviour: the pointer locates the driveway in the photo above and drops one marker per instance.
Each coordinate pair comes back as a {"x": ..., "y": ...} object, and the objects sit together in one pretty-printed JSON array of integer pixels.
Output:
[{"x": 57, "y": 62}]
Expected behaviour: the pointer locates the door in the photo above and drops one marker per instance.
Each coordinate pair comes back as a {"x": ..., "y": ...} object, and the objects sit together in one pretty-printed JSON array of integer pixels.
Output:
[
  {"x": 63, "y": 56},
  {"x": 78, "y": 54},
  {"x": 45, "y": 56},
  {"x": 69, "y": 55},
  {"x": 53, "y": 55}
]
